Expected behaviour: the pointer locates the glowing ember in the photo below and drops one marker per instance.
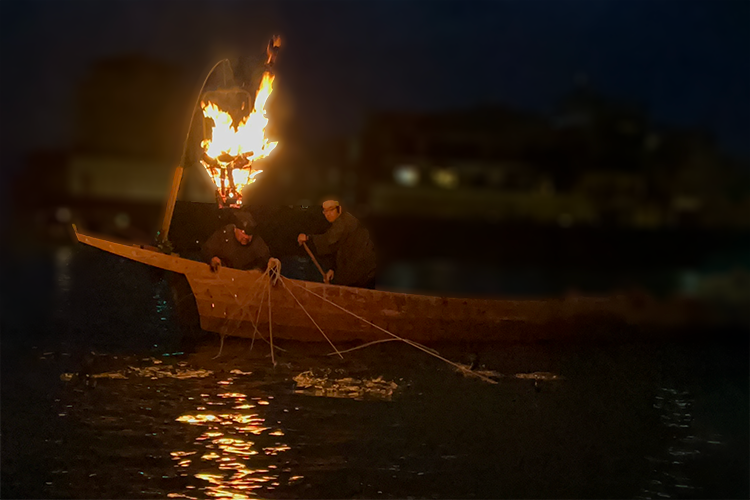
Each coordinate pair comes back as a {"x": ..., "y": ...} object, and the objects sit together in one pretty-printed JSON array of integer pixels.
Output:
[{"x": 232, "y": 148}]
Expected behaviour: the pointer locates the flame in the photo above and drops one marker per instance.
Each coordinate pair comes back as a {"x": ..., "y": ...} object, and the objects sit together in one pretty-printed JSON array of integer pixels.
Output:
[{"x": 232, "y": 149}]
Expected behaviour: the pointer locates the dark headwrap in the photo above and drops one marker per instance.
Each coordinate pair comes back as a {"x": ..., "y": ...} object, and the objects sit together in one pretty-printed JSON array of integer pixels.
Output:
[{"x": 245, "y": 221}]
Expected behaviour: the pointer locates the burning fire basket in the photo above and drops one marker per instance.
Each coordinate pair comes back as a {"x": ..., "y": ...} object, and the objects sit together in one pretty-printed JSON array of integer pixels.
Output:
[{"x": 234, "y": 141}]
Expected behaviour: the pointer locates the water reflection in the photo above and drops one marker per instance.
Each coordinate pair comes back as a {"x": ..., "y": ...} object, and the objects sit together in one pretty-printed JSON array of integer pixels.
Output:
[
  {"x": 63, "y": 281},
  {"x": 63, "y": 257},
  {"x": 439, "y": 437},
  {"x": 176, "y": 371},
  {"x": 671, "y": 470},
  {"x": 230, "y": 462}
]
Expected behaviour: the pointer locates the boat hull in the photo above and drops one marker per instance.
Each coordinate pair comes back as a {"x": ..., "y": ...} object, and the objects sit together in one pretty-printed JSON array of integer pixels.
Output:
[{"x": 233, "y": 302}]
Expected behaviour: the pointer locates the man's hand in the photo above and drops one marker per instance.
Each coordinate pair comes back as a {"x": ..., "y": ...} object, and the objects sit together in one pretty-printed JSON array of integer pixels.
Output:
[
  {"x": 215, "y": 264},
  {"x": 329, "y": 276},
  {"x": 301, "y": 238}
]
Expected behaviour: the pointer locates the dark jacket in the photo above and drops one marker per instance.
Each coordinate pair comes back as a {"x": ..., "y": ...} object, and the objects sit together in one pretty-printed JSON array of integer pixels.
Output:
[
  {"x": 349, "y": 242},
  {"x": 224, "y": 245}
]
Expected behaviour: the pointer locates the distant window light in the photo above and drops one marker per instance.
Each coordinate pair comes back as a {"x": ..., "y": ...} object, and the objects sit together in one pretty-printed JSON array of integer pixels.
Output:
[
  {"x": 406, "y": 175},
  {"x": 445, "y": 178}
]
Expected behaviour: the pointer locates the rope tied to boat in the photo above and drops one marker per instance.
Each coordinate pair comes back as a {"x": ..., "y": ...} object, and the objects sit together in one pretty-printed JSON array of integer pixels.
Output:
[
  {"x": 274, "y": 270},
  {"x": 273, "y": 275},
  {"x": 265, "y": 280},
  {"x": 393, "y": 336}
]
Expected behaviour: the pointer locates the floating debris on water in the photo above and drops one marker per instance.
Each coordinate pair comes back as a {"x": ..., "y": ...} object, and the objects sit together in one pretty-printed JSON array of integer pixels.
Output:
[
  {"x": 535, "y": 376},
  {"x": 240, "y": 372},
  {"x": 115, "y": 375},
  {"x": 348, "y": 387},
  {"x": 170, "y": 372},
  {"x": 152, "y": 372},
  {"x": 545, "y": 376}
]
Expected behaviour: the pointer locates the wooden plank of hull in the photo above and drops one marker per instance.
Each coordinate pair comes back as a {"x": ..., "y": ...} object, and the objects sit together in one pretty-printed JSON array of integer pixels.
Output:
[{"x": 228, "y": 303}]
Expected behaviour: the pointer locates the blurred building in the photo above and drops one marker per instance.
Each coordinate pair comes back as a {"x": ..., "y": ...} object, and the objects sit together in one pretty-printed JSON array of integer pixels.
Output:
[
  {"x": 482, "y": 161},
  {"x": 595, "y": 161},
  {"x": 130, "y": 117}
]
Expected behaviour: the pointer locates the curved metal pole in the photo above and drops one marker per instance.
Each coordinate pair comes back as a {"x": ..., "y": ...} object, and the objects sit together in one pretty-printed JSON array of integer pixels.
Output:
[
  {"x": 192, "y": 110},
  {"x": 161, "y": 236}
]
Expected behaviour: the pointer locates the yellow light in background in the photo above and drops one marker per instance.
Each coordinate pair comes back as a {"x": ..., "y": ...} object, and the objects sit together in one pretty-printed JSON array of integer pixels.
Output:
[{"x": 445, "y": 178}]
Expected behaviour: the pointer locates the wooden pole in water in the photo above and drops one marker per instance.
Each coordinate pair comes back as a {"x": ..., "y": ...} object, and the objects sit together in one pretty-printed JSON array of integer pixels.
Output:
[
  {"x": 167, "y": 221},
  {"x": 315, "y": 261}
]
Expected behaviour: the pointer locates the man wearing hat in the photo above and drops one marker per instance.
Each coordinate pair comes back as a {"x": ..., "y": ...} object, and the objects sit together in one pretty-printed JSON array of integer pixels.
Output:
[
  {"x": 348, "y": 241},
  {"x": 236, "y": 245}
]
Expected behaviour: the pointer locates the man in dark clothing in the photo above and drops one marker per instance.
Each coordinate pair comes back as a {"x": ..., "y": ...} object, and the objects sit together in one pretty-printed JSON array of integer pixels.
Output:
[
  {"x": 349, "y": 242},
  {"x": 236, "y": 245}
]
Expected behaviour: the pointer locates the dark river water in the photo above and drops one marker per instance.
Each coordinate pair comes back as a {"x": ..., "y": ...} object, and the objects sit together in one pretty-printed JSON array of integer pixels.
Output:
[{"x": 104, "y": 396}]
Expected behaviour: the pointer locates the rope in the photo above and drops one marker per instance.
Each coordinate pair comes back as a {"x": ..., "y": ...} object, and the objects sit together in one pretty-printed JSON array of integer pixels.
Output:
[
  {"x": 243, "y": 306},
  {"x": 311, "y": 319},
  {"x": 221, "y": 347},
  {"x": 257, "y": 319},
  {"x": 274, "y": 269},
  {"x": 365, "y": 345},
  {"x": 411, "y": 343},
  {"x": 239, "y": 321},
  {"x": 245, "y": 309},
  {"x": 270, "y": 322},
  {"x": 273, "y": 272},
  {"x": 433, "y": 351}
]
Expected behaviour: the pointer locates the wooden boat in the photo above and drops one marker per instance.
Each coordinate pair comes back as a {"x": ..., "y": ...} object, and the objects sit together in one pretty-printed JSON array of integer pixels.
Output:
[{"x": 229, "y": 300}]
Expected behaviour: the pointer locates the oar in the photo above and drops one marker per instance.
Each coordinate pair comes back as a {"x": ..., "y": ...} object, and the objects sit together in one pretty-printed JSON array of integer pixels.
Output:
[{"x": 315, "y": 261}]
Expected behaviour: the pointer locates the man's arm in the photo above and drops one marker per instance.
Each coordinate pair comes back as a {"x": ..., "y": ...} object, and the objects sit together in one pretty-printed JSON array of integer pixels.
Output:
[
  {"x": 328, "y": 242},
  {"x": 210, "y": 248},
  {"x": 210, "y": 251}
]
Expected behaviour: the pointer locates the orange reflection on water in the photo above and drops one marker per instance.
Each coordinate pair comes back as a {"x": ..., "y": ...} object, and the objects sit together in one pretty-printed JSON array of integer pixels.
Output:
[
  {"x": 253, "y": 429},
  {"x": 232, "y": 466},
  {"x": 197, "y": 419},
  {"x": 183, "y": 453},
  {"x": 274, "y": 450},
  {"x": 232, "y": 395}
]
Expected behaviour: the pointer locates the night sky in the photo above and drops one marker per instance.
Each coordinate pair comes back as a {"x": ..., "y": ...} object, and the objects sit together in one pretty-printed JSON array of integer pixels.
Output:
[{"x": 688, "y": 62}]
